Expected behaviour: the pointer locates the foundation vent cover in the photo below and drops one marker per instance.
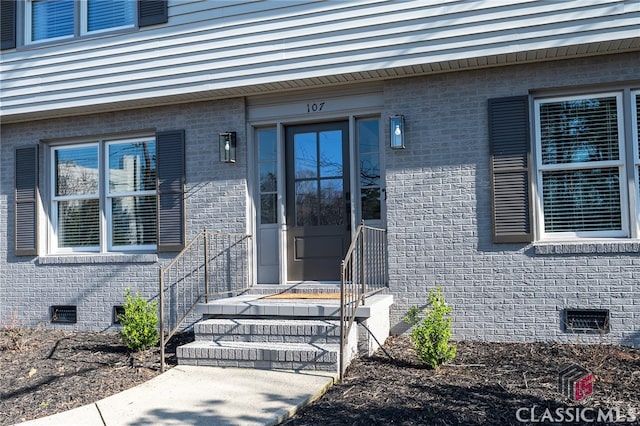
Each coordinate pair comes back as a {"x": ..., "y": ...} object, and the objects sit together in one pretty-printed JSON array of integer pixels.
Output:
[
  {"x": 117, "y": 311},
  {"x": 587, "y": 320},
  {"x": 66, "y": 314}
]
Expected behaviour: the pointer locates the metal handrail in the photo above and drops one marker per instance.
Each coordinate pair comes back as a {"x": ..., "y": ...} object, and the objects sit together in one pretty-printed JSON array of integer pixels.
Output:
[
  {"x": 210, "y": 264},
  {"x": 363, "y": 273}
]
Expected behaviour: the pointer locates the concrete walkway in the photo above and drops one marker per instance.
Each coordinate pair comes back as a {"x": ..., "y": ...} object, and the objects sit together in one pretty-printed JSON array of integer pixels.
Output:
[{"x": 188, "y": 395}]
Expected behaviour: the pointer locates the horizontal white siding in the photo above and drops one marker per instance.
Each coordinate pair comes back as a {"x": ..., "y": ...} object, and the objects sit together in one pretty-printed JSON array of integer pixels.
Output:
[{"x": 223, "y": 48}]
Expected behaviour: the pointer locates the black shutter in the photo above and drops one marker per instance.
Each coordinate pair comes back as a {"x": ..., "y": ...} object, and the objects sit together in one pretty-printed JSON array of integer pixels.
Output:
[
  {"x": 26, "y": 201},
  {"x": 171, "y": 182},
  {"x": 7, "y": 24},
  {"x": 509, "y": 139},
  {"x": 152, "y": 12}
]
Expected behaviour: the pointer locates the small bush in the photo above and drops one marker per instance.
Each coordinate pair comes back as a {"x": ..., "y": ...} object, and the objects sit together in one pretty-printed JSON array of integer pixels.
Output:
[
  {"x": 431, "y": 336},
  {"x": 139, "y": 323}
]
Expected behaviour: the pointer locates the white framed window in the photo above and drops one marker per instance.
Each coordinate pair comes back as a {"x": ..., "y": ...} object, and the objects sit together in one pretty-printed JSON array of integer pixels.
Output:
[
  {"x": 104, "y": 196},
  {"x": 50, "y": 20},
  {"x": 582, "y": 168}
]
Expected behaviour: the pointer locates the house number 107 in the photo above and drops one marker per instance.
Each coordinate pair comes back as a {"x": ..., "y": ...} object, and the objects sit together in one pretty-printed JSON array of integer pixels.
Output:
[{"x": 315, "y": 107}]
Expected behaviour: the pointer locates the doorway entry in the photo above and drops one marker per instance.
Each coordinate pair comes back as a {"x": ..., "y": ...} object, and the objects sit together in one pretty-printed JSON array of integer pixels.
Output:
[{"x": 318, "y": 200}]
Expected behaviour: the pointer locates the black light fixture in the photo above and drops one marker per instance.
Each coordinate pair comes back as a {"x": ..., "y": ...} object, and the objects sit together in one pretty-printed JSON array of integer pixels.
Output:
[
  {"x": 396, "y": 131},
  {"x": 228, "y": 147}
]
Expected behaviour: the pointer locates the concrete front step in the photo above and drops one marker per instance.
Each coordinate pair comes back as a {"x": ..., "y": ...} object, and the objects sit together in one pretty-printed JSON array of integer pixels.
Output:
[
  {"x": 252, "y": 305},
  {"x": 252, "y": 331},
  {"x": 268, "y": 330},
  {"x": 262, "y": 355}
]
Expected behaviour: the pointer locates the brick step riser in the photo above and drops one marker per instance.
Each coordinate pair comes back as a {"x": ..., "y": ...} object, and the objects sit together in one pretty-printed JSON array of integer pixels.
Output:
[
  {"x": 261, "y": 365},
  {"x": 257, "y": 338},
  {"x": 294, "y": 332},
  {"x": 262, "y": 358}
]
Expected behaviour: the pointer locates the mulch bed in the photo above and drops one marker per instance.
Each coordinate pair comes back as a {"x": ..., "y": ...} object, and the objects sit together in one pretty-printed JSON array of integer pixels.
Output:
[
  {"x": 44, "y": 372},
  {"x": 486, "y": 384}
]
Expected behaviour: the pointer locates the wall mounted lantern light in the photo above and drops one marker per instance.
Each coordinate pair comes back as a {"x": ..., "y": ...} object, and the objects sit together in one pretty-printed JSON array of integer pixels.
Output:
[
  {"x": 228, "y": 147},
  {"x": 396, "y": 131}
]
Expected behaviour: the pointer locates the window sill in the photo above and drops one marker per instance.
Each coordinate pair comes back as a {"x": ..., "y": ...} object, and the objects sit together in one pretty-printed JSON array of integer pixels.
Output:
[
  {"x": 587, "y": 247},
  {"x": 98, "y": 259}
]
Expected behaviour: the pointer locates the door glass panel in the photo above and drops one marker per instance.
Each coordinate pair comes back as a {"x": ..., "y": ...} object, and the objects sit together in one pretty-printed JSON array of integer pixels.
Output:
[
  {"x": 268, "y": 208},
  {"x": 368, "y": 135},
  {"x": 268, "y": 169},
  {"x": 307, "y": 203},
  {"x": 369, "y": 170},
  {"x": 268, "y": 181},
  {"x": 369, "y": 165},
  {"x": 331, "y": 153},
  {"x": 306, "y": 155},
  {"x": 331, "y": 202},
  {"x": 267, "y": 145},
  {"x": 370, "y": 201}
]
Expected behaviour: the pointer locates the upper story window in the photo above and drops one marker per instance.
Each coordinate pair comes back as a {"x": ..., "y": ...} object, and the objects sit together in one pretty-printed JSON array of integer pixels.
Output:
[
  {"x": 58, "y": 19},
  {"x": 104, "y": 196},
  {"x": 26, "y": 22},
  {"x": 583, "y": 168}
]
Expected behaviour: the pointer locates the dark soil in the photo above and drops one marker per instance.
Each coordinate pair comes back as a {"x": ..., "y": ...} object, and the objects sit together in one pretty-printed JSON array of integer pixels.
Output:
[
  {"x": 43, "y": 372},
  {"x": 485, "y": 385}
]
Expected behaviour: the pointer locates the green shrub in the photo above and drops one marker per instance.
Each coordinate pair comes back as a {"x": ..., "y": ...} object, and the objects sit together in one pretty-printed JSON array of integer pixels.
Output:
[
  {"x": 431, "y": 336},
  {"x": 139, "y": 322}
]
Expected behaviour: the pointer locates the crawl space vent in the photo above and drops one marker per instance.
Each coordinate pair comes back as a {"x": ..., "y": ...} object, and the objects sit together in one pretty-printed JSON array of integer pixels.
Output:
[
  {"x": 64, "y": 314},
  {"x": 117, "y": 311},
  {"x": 587, "y": 320}
]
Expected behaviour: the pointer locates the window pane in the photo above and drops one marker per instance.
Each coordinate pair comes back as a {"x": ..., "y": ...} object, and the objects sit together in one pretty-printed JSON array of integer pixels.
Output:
[
  {"x": 369, "y": 136},
  {"x": 369, "y": 170},
  {"x": 370, "y": 202},
  {"x": 132, "y": 167},
  {"x": 267, "y": 142},
  {"x": 306, "y": 154},
  {"x": 76, "y": 170},
  {"x": 637, "y": 117},
  {"x": 307, "y": 202},
  {"x": 104, "y": 14},
  {"x": 637, "y": 130},
  {"x": 369, "y": 158},
  {"x": 331, "y": 153},
  {"x": 133, "y": 220},
  {"x": 268, "y": 179},
  {"x": 51, "y": 18},
  {"x": 268, "y": 208},
  {"x": 581, "y": 200},
  {"x": 332, "y": 204},
  {"x": 579, "y": 130},
  {"x": 78, "y": 223}
]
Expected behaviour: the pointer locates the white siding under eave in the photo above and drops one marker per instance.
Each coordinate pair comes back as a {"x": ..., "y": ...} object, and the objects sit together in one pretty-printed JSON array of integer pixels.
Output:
[{"x": 214, "y": 47}]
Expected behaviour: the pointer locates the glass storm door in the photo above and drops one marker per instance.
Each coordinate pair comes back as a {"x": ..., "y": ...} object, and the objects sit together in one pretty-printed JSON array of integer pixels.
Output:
[{"x": 318, "y": 211}]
